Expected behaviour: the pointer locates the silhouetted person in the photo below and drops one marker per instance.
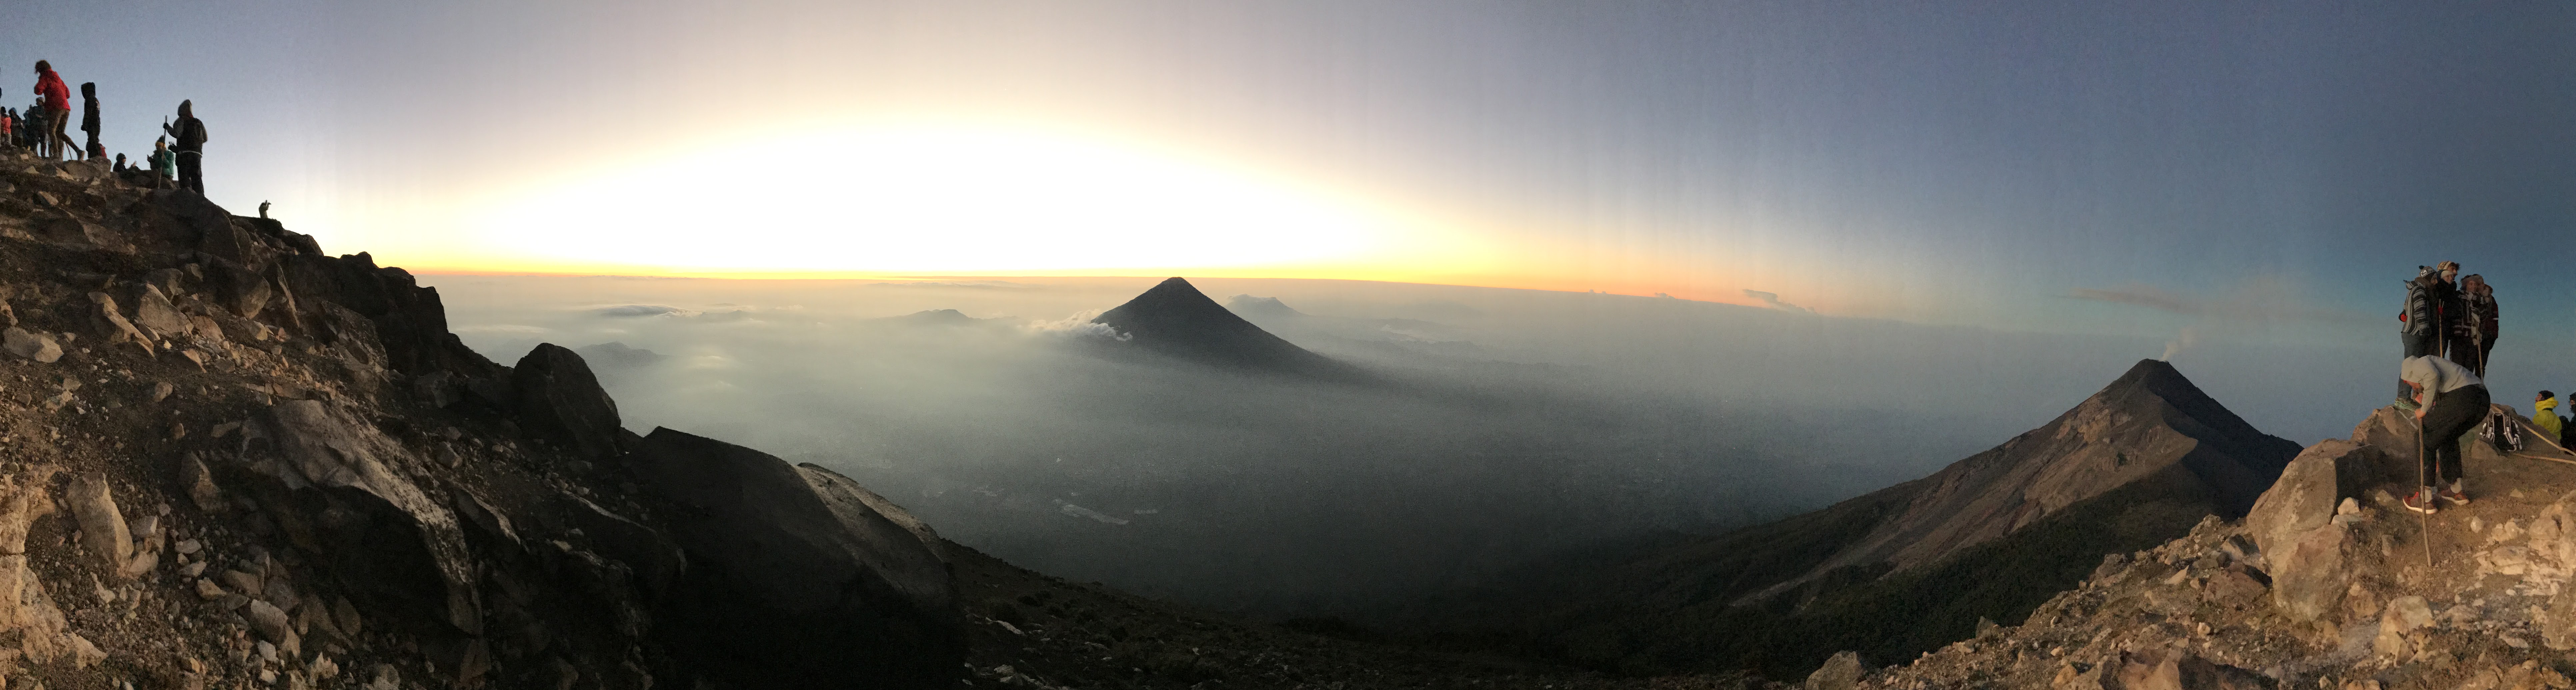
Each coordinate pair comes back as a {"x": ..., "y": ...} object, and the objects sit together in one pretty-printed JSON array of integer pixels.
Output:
[
  {"x": 54, "y": 100},
  {"x": 2481, "y": 326},
  {"x": 191, "y": 146},
  {"x": 89, "y": 119},
  {"x": 263, "y": 210},
  {"x": 2450, "y": 401},
  {"x": 120, "y": 168}
]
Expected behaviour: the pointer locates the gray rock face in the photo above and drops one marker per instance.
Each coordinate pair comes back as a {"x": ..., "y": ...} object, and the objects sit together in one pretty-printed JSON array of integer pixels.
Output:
[
  {"x": 2293, "y": 525},
  {"x": 2305, "y": 496},
  {"x": 794, "y": 579},
  {"x": 102, "y": 527},
  {"x": 154, "y": 313},
  {"x": 112, "y": 325},
  {"x": 35, "y": 346},
  {"x": 559, "y": 399},
  {"x": 1842, "y": 672},
  {"x": 327, "y": 483}
]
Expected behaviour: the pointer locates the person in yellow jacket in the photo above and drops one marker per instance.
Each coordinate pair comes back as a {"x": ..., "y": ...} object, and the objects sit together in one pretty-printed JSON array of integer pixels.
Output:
[{"x": 2544, "y": 414}]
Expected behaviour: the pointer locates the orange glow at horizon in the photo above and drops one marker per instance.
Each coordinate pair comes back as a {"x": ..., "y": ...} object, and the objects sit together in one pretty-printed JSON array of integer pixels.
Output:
[{"x": 904, "y": 201}]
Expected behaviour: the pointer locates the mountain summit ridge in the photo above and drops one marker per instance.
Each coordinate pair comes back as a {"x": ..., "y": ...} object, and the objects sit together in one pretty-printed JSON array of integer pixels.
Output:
[
  {"x": 2151, "y": 424},
  {"x": 1176, "y": 319}
]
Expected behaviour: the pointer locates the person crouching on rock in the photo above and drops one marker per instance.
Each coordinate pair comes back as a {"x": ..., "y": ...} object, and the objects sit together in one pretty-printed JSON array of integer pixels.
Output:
[{"x": 2450, "y": 401}]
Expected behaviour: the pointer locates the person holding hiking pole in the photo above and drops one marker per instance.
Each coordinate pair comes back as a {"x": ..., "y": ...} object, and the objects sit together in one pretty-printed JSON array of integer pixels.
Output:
[
  {"x": 2450, "y": 401},
  {"x": 191, "y": 147}
]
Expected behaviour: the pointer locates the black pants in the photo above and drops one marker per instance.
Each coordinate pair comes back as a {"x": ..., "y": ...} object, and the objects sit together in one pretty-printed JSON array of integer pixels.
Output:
[
  {"x": 2422, "y": 344},
  {"x": 191, "y": 176},
  {"x": 2463, "y": 352},
  {"x": 2452, "y": 415}
]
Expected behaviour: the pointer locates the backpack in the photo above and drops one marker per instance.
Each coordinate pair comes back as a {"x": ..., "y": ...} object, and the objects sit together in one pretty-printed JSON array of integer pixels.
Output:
[
  {"x": 2501, "y": 433},
  {"x": 2422, "y": 313}
]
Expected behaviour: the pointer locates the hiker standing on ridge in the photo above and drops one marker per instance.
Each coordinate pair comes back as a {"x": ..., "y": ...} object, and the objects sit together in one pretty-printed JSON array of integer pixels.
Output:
[
  {"x": 2450, "y": 401},
  {"x": 191, "y": 133},
  {"x": 2419, "y": 323},
  {"x": 2481, "y": 319},
  {"x": 89, "y": 120},
  {"x": 55, "y": 100}
]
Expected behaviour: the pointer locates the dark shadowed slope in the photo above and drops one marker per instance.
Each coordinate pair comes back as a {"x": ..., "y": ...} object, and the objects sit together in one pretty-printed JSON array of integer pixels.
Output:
[{"x": 1177, "y": 320}]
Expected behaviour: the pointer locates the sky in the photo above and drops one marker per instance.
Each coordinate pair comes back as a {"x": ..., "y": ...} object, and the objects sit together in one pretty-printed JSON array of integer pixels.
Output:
[{"x": 2190, "y": 170}]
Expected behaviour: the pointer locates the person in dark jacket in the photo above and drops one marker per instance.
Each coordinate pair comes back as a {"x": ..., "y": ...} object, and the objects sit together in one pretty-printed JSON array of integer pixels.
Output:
[
  {"x": 2481, "y": 314},
  {"x": 2457, "y": 345},
  {"x": 2419, "y": 322},
  {"x": 2450, "y": 401},
  {"x": 190, "y": 134},
  {"x": 55, "y": 99},
  {"x": 89, "y": 119}
]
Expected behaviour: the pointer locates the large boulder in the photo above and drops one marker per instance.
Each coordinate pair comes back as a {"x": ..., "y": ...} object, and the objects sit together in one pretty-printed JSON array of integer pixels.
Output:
[
  {"x": 2305, "y": 496},
  {"x": 2293, "y": 525},
  {"x": 330, "y": 485},
  {"x": 795, "y": 576},
  {"x": 2394, "y": 433},
  {"x": 559, "y": 400}
]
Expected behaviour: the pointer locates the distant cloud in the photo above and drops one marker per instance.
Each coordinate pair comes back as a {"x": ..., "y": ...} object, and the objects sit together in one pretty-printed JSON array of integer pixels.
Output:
[
  {"x": 2141, "y": 295},
  {"x": 633, "y": 310},
  {"x": 1772, "y": 299},
  {"x": 2259, "y": 303},
  {"x": 2262, "y": 300},
  {"x": 1078, "y": 325}
]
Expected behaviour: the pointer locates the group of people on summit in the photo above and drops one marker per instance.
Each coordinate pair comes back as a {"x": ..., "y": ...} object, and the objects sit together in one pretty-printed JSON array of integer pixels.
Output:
[
  {"x": 40, "y": 128},
  {"x": 2449, "y": 326}
]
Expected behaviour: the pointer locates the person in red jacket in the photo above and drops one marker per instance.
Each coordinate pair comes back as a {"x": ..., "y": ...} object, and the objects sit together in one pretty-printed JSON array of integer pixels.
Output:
[{"x": 55, "y": 100}]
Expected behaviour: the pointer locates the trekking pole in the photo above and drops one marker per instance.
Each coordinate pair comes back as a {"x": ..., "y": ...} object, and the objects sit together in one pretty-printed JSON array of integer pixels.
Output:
[{"x": 2422, "y": 446}]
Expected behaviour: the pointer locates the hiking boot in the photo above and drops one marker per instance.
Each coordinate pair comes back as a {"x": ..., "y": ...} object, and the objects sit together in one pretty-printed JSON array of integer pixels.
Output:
[
  {"x": 2452, "y": 496},
  {"x": 2416, "y": 502}
]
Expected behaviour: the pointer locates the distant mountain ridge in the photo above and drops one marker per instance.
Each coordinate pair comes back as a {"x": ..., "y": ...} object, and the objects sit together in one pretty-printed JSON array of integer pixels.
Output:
[
  {"x": 2150, "y": 425},
  {"x": 1175, "y": 319},
  {"x": 1904, "y": 569}
]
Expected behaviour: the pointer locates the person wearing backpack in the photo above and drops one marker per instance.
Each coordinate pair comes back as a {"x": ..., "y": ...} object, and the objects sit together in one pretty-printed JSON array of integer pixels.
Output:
[
  {"x": 2419, "y": 323},
  {"x": 2450, "y": 401}
]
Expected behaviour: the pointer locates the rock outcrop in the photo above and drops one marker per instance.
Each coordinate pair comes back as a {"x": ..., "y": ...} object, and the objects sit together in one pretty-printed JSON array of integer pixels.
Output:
[
  {"x": 560, "y": 401},
  {"x": 798, "y": 577},
  {"x": 228, "y": 459}
]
